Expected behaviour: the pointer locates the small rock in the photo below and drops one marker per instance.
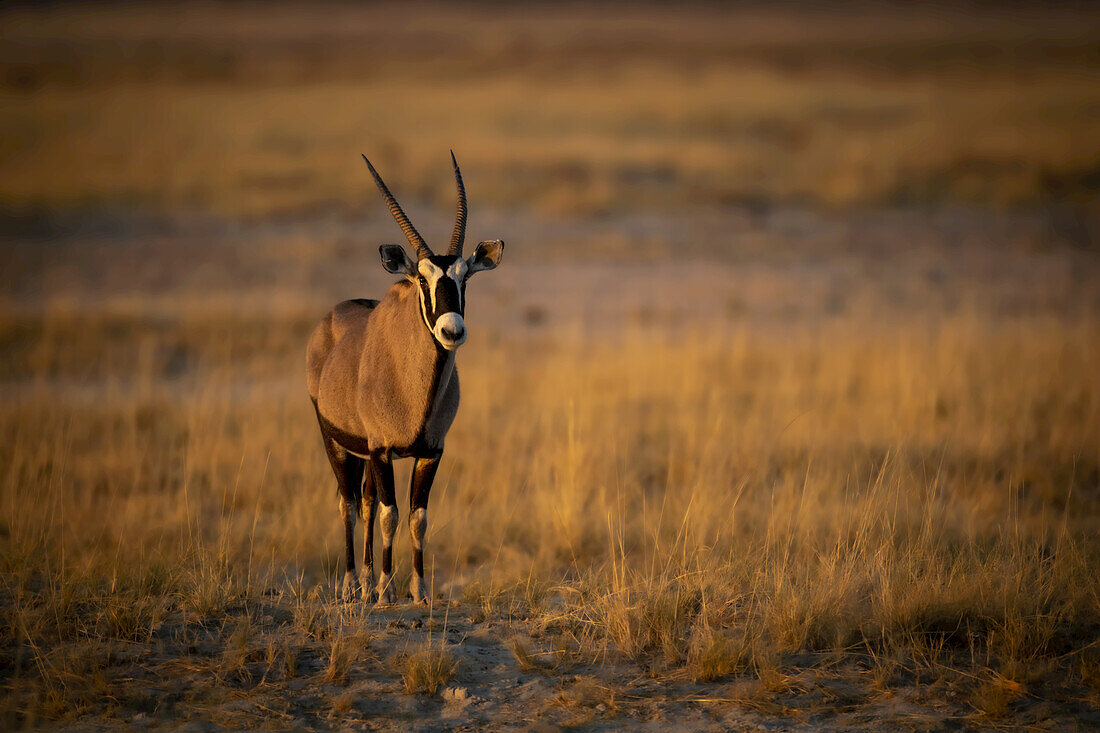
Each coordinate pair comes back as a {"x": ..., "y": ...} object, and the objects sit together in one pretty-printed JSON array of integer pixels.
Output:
[{"x": 601, "y": 708}]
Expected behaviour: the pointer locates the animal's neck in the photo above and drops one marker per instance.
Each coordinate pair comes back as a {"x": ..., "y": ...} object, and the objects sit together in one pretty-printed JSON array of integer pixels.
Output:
[
  {"x": 430, "y": 365},
  {"x": 443, "y": 378}
]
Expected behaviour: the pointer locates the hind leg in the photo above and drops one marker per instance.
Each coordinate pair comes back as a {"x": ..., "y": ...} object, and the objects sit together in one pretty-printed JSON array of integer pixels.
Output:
[{"x": 349, "y": 479}]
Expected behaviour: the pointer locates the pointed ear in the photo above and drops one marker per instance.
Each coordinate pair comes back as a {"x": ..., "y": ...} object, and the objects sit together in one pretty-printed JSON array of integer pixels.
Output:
[
  {"x": 395, "y": 260},
  {"x": 486, "y": 256}
]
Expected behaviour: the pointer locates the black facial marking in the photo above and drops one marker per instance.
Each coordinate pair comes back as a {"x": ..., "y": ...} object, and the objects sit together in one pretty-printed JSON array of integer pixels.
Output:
[
  {"x": 446, "y": 291},
  {"x": 446, "y": 298}
]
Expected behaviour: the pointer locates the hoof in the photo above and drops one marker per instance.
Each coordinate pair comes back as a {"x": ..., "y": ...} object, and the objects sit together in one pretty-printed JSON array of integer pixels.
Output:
[
  {"x": 386, "y": 593},
  {"x": 349, "y": 589},
  {"x": 370, "y": 594},
  {"x": 419, "y": 591}
]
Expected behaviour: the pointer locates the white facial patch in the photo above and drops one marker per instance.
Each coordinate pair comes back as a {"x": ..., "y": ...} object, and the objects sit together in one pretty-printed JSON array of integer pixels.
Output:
[
  {"x": 431, "y": 273},
  {"x": 446, "y": 326}
]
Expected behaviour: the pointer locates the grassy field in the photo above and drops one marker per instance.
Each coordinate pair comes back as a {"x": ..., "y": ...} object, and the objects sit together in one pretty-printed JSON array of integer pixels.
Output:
[
  {"x": 781, "y": 410},
  {"x": 796, "y": 503}
]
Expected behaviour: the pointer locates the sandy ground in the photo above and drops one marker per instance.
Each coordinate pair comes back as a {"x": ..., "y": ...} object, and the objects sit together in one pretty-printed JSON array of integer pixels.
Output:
[
  {"x": 184, "y": 680},
  {"x": 490, "y": 689}
]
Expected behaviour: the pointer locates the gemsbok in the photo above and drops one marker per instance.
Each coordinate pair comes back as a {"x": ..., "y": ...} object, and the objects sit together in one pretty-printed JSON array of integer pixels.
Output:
[{"x": 382, "y": 378}]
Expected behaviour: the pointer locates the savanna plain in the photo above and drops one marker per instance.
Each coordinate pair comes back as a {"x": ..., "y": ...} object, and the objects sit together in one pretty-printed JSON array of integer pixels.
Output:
[{"x": 781, "y": 412}]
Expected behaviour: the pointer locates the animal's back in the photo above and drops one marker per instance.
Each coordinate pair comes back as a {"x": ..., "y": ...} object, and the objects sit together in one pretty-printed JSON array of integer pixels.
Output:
[{"x": 348, "y": 316}]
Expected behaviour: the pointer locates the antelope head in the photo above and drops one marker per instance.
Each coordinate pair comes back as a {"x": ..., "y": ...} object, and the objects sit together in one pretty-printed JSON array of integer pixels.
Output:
[{"x": 440, "y": 279}]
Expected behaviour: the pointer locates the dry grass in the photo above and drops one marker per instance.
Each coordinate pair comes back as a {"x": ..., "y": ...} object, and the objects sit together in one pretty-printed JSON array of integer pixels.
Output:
[
  {"x": 718, "y": 655},
  {"x": 589, "y": 695},
  {"x": 425, "y": 671},
  {"x": 994, "y": 696},
  {"x": 527, "y": 661},
  {"x": 711, "y": 504},
  {"x": 344, "y": 651},
  {"x": 922, "y": 498}
]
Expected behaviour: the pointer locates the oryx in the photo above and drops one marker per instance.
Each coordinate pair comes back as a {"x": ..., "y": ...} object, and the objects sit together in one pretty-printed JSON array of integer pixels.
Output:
[{"x": 382, "y": 378}]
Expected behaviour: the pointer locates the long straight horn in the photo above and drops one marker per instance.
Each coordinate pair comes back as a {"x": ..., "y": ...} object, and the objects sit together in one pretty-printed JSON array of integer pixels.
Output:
[
  {"x": 415, "y": 240},
  {"x": 459, "y": 234}
]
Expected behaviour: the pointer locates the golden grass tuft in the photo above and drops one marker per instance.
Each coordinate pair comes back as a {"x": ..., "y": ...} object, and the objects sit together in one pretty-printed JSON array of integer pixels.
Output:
[
  {"x": 344, "y": 651},
  {"x": 281, "y": 656},
  {"x": 719, "y": 655},
  {"x": 426, "y": 670},
  {"x": 995, "y": 694},
  {"x": 240, "y": 651}
]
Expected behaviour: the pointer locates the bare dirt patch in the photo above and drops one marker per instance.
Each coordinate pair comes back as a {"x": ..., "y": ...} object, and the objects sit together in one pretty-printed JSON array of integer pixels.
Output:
[{"x": 262, "y": 668}]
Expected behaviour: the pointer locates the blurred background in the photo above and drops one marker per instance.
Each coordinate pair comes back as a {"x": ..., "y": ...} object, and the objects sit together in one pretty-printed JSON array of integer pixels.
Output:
[{"x": 167, "y": 149}]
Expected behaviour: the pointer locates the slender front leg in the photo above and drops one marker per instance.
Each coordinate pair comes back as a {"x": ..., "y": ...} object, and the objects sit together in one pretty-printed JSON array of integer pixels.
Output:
[
  {"x": 387, "y": 519},
  {"x": 367, "y": 510},
  {"x": 420, "y": 485}
]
